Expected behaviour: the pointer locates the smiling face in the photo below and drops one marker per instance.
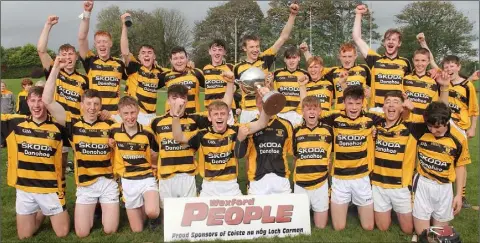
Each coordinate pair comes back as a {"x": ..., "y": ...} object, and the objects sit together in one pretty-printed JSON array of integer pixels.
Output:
[
  {"x": 392, "y": 43},
  {"x": 146, "y": 56},
  {"x": 91, "y": 108},
  {"x": 103, "y": 45},
  {"x": 37, "y": 107},
  {"x": 71, "y": 56},
  {"x": 315, "y": 70},
  {"x": 129, "y": 115},
  {"x": 179, "y": 61},
  {"x": 420, "y": 62},
  {"x": 216, "y": 54},
  {"x": 292, "y": 62},
  {"x": 353, "y": 107},
  {"x": 218, "y": 115},
  {"x": 347, "y": 58},
  {"x": 452, "y": 68},
  {"x": 393, "y": 108},
  {"x": 311, "y": 112},
  {"x": 252, "y": 49}
]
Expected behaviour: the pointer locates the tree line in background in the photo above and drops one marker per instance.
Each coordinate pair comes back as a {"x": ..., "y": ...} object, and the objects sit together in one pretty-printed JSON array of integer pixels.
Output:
[{"x": 448, "y": 31}]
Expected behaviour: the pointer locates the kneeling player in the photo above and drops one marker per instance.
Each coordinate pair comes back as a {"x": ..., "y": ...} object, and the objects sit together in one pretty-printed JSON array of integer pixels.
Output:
[
  {"x": 442, "y": 154},
  {"x": 133, "y": 145},
  {"x": 393, "y": 168},
  {"x": 220, "y": 144},
  {"x": 35, "y": 167},
  {"x": 312, "y": 145}
]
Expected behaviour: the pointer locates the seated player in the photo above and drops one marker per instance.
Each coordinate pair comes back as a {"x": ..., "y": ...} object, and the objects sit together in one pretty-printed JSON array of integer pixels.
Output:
[
  {"x": 312, "y": 145},
  {"x": 35, "y": 167},
  {"x": 135, "y": 149},
  {"x": 219, "y": 145},
  {"x": 88, "y": 136}
]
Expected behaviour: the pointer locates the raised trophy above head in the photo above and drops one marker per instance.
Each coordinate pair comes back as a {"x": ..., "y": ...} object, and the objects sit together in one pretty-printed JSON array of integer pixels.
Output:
[{"x": 253, "y": 79}]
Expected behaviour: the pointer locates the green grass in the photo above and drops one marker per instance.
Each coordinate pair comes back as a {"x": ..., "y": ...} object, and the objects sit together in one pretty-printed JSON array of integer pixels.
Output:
[{"x": 467, "y": 223}]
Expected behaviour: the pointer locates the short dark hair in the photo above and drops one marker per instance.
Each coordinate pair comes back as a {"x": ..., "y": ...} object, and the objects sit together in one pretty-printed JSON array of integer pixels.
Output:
[
  {"x": 437, "y": 113},
  {"x": 66, "y": 47},
  {"x": 291, "y": 52},
  {"x": 395, "y": 93},
  {"x": 248, "y": 38},
  {"x": 451, "y": 58},
  {"x": 35, "y": 90},
  {"x": 219, "y": 43},
  {"x": 390, "y": 32},
  {"x": 354, "y": 91},
  {"x": 91, "y": 93},
  {"x": 177, "y": 49},
  {"x": 177, "y": 89},
  {"x": 146, "y": 46},
  {"x": 27, "y": 81}
]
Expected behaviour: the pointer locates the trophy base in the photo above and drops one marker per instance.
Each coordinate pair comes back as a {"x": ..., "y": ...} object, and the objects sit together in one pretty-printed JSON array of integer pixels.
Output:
[{"x": 273, "y": 103}]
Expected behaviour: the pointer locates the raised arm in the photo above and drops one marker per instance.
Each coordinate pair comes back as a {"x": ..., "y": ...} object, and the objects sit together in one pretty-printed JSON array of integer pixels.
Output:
[
  {"x": 177, "y": 109},
  {"x": 262, "y": 121},
  {"x": 357, "y": 30},
  {"x": 423, "y": 43},
  {"x": 229, "y": 77},
  {"x": 124, "y": 40},
  {"x": 83, "y": 31},
  {"x": 43, "y": 41},
  {"x": 294, "y": 8},
  {"x": 55, "y": 109},
  {"x": 302, "y": 86},
  {"x": 305, "y": 51},
  {"x": 443, "y": 79}
]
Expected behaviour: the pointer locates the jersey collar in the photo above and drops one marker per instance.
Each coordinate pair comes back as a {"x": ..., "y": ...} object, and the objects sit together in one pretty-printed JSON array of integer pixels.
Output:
[
  {"x": 47, "y": 120},
  {"x": 286, "y": 70},
  {"x": 139, "y": 130}
]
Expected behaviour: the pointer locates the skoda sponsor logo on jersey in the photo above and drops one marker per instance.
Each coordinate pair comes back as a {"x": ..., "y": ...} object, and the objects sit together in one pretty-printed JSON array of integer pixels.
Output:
[
  {"x": 219, "y": 158},
  {"x": 93, "y": 148},
  {"x": 432, "y": 163},
  {"x": 350, "y": 140},
  {"x": 37, "y": 150},
  {"x": 171, "y": 145},
  {"x": 312, "y": 153},
  {"x": 270, "y": 148},
  {"x": 106, "y": 81},
  {"x": 387, "y": 147}
]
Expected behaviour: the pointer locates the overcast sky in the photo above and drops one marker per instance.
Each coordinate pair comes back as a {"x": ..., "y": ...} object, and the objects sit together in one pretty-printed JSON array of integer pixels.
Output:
[{"x": 22, "y": 21}]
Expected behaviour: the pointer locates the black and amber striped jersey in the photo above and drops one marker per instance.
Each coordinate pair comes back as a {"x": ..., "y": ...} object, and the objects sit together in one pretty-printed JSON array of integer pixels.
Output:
[
  {"x": 142, "y": 84},
  {"x": 395, "y": 151},
  {"x": 22, "y": 106},
  {"x": 463, "y": 102},
  {"x": 437, "y": 157},
  {"x": 312, "y": 148},
  {"x": 192, "y": 79},
  {"x": 421, "y": 91},
  {"x": 215, "y": 85},
  {"x": 175, "y": 158},
  {"x": 217, "y": 161},
  {"x": 268, "y": 148},
  {"x": 322, "y": 89},
  {"x": 34, "y": 153},
  {"x": 357, "y": 75},
  {"x": 105, "y": 76},
  {"x": 387, "y": 75},
  {"x": 264, "y": 61},
  {"x": 353, "y": 147},
  {"x": 285, "y": 82},
  {"x": 69, "y": 90},
  {"x": 132, "y": 155},
  {"x": 90, "y": 149}
]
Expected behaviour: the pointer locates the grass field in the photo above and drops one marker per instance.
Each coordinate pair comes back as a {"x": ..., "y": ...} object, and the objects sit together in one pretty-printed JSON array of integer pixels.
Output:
[{"x": 467, "y": 223}]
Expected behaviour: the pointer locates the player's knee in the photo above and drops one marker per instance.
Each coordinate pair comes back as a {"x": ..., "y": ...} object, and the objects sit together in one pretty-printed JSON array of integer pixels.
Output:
[
  {"x": 407, "y": 228},
  {"x": 382, "y": 226},
  {"x": 368, "y": 226},
  {"x": 109, "y": 229},
  {"x": 152, "y": 213},
  {"x": 24, "y": 235},
  {"x": 82, "y": 233},
  {"x": 136, "y": 228},
  {"x": 339, "y": 225},
  {"x": 320, "y": 225},
  {"x": 62, "y": 231}
]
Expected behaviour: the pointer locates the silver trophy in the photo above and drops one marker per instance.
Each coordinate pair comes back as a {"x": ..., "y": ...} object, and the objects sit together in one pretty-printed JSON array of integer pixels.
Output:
[{"x": 253, "y": 79}]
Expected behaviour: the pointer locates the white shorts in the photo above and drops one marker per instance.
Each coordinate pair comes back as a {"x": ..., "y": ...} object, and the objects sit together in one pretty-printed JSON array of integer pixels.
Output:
[
  {"x": 359, "y": 191},
  {"x": 28, "y": 203},
  {"x": 270, "y": 184},
  {"x": 399, "y": 199},
  {"x": 292, "y": 116},
  {"x": 104, "y": 190},
  {"x": 248, "y": 116},
  {"x": 463, "y": 132},
  {"x": 220, "y": 188},
  {"x": 432, "y": 200},
  {"x": 145, "y": 119},
  {"x": 133, "y": 191},
  {"x": 179, "y": 185},
  {"x": 318, "y": 197}
]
